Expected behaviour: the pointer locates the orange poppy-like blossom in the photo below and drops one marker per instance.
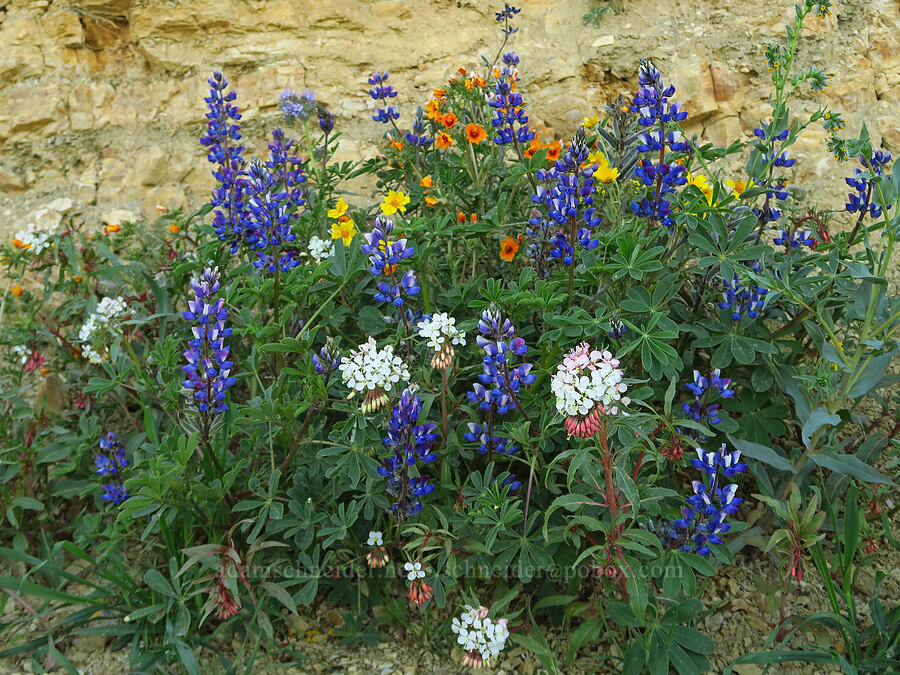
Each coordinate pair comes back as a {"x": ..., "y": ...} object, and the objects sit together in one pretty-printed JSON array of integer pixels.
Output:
[
  {"x": 433, "y": 110},
  {"x": 480, "y": 81},
  {"x": 469, "y": 84},
  {"x": 461, "y": 70},
  {"x": 18, "y": 243},
  {"x": 448, "y": 120},
  {"x": 397, "y": 145},
  {"x": 439, "y": 93},
  {"x": 533, "y": 148},
  {"x": 553, "y": 151},
  {"x": 473, "y": 217},
  {"x": 16, "y": 291},
  {"x": 430, "y": 201},
  {"x": 174, "y": 229},
  {"x": 461, "y": 217},
  {"x": 443, "y": 140},
  {"x": 508, "y": 249},
  {"x": 426, "y": 182},
  {"x": 475, "y": 133}
]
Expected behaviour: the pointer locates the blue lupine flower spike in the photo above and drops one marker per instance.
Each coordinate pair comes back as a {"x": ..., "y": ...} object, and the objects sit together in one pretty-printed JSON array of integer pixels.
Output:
[
  {"x": 110, "y": 463},
  {"x": 207, "y": 373}
]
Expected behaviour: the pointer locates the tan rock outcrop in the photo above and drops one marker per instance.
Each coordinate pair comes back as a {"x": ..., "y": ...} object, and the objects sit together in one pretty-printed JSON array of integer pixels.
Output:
[{"x": 101, "y": 100}]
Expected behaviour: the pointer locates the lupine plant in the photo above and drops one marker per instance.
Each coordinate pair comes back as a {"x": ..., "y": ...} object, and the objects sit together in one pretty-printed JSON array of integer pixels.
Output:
[{"x": 673, "y": 365}]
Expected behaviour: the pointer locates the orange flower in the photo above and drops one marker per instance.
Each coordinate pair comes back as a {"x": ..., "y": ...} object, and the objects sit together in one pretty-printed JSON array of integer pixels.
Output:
[
  {"x": 16, "y": 291},
  {"x": 461, "y": 217},
  {"x": 479, "y": 82},
  {"x": 553, "y": 151},
  {"x": 475, "y": 133},
  {"x": 508, "y": 249},
  {"x": 426, "y": 182},
  {"x": 448, "y": 120},
  {"x": 443, "y": 140},
  {"x": 77, "y": 279},
  {"x": 439, "y": 93},
  {"x": 174, "y": 229},
  {"x": 474, "y": 217},
  {"x": 533, "y": 148},
  {"x": 469, "y": 84},
  {"x": 461, "y": 70},
  {"x": 111, "y": 228},
  {"x": 18, "y": 243},
  {"x": 430, "y": 201},
  {"x": 396, "y": 145},
  {"x": 433, "y": 109}
]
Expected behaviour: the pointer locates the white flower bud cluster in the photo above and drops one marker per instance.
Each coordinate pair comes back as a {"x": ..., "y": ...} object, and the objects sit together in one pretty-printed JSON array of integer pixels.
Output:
[
  {"x": 588, "y": 377},
  {"x": 320, "y": 249},
  {"x": 479, "y": 635},
  {"x": 441, "y": 329},
  {"x": 98, "y": 324},
  {"x": 33, "y": 238},
  {"x": 368, "y": 368}
]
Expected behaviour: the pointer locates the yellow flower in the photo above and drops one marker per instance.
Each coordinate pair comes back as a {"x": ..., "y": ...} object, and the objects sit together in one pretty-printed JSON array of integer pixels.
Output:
[
  {"x": 840, "y": 347},
  {"x": 604, "y": 173},
  {"x": 738, "y": 187},
  {"x": 701, "y": 182},
  {"x": 590, "y": 122},
  {"x": 343, "y": 230},
  {"x": 395, "y": 201},
  {"x": 339, "y": 209}
]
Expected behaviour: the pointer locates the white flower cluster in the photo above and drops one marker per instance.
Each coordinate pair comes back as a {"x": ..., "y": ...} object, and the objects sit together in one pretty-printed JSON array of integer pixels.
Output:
[
  {"x": 414, "y": 571},
  {"x": 320, "y": 249},
  {"x": 100, "y": 323},
  {"x": 587, "y": 378},
  {"x": 440, "y": 329},
  {"x": 478, "y": 633},
  {"x": 368, "y": 369},
  {"x": 21, "y": 353},
  {"x": 33, "y": 238}
]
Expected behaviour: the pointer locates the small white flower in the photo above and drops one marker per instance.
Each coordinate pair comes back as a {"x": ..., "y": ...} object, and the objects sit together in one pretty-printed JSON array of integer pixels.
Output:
[
  {"x": 21, "y": 353},
  {"x": 369, "y": 368},
  {"x": 440, "y": 329},
  {"x": 587, "y": 378},
  {"x": 414, "y": 570},
  {"x": 375, "y": 539},
  {"x": 103, "y": 322},
  {"x": 320, "y": 249},
  {"x": 478, "y": 633}
]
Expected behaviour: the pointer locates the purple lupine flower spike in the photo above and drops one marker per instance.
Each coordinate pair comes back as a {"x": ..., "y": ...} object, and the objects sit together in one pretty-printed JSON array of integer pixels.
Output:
[
  {"x": 110, "y": 463},
  {"x": 703, "y": 519},
  {"x": 207, "y": 373},
  {"x": 410, "y": 443},
  {"x": 231, "y": 220}
]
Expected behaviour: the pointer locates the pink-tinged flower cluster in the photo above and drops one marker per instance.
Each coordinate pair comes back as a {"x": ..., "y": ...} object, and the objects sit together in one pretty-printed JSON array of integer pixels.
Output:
[
  {"x": 481, "y": 637},
  {"x": 588, "y": 384}
]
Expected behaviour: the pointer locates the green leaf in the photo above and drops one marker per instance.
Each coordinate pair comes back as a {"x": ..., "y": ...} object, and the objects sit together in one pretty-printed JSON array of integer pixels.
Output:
[
  {"x": 817, "y": 419},
  {"x": 762, "y": 454},
  {"x": 693, "y": 640},
  {"x": 29, "y": 503},
  {"x": 873, "y": 372},
  {"x": 849, "y": 465},
  {"x": 61, "y": 660},
  {"x": 158, "y": 583},
  {"x": 635, "y": 658}
]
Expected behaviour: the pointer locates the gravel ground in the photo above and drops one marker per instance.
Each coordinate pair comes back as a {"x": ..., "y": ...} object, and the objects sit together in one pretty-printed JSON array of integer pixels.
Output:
[{"x": 739, "y": 592}]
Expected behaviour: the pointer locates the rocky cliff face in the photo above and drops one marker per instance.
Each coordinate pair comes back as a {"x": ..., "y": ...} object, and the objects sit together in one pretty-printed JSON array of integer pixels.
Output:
[{"x": 101, "y": 100}]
